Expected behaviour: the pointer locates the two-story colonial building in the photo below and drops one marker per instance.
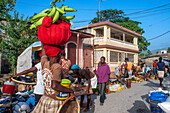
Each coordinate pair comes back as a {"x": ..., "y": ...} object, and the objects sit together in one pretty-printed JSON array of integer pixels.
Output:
[{"x": 112, "y": 41}]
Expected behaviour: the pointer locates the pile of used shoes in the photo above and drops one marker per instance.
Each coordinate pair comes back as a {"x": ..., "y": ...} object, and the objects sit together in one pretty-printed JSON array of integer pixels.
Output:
[{"x": 22, "y": 102}]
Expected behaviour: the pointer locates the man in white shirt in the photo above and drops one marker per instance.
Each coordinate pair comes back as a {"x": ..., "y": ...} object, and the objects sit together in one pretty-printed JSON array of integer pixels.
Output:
[{"x": 39, "y": 88}]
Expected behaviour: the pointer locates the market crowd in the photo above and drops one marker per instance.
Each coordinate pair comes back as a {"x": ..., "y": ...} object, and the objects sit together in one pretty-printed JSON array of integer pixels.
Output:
[
  {"x": 156, "y": 71},
  {"x": 51, "y": 71},
  {"x": 58, "y": 79}
]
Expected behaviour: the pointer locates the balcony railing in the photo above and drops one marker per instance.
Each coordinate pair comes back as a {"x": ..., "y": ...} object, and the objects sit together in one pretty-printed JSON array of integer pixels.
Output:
[
  {"x": 98, "y": 40},
  {"x": 115, "y": 41},
  {"x": 122, "y": 42}
]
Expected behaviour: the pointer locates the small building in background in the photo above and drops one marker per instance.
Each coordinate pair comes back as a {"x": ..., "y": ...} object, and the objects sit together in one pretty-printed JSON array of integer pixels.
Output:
[
  {"x": 150, "y": 59},
  {"x": 163, "y": 51},
  {"x": 113, "y": 42}
]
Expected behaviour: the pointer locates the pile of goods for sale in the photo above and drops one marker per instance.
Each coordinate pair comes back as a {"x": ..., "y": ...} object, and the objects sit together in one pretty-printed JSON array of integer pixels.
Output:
[
  {"x": 22, "y": 101},
  {"x": 137, "y": 79},
  {"x": 116, "y": 87}
]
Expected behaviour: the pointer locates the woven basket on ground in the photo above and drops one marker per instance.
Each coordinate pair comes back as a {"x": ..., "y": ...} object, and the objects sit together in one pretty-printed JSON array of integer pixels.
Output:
[{"x": 69, "y": 106}]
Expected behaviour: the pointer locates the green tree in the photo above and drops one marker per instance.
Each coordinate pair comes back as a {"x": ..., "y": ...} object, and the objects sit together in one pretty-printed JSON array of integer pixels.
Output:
[
  {"x": 16, "y": 38},
  {"x": 118, "y": 17},
  {"x": 149, "y": 52},
  {"x": 6, "y": 6},
  {"x": 108, "y": 15},
  {"x": 168, "y": 50},
  {"x": 157, "y": 52},
  {"x": 141, "y": 55}
]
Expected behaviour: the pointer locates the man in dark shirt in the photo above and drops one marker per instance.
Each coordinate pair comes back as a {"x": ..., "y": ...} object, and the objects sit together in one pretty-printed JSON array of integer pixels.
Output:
[{"x": 161, "y": 68}]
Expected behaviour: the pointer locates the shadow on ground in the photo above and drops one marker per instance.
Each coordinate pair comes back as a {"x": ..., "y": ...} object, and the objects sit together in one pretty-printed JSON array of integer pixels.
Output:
[
  {"x": 152, "y": 84},
  {"x": 145, "y": 97},
  {"x": 92, "y": 107},
  {"x": 139, "y": 107}
]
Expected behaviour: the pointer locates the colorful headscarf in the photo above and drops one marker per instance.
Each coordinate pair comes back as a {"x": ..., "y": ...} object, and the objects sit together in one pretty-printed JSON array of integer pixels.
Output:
[{"x": 75, "y": 66}]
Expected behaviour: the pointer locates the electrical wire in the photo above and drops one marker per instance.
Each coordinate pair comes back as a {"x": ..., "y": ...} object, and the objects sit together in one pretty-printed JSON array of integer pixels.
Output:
[
  {"x": 149, "y": 15},
  {"x": 82, "y": 21},
  {"x": 152, "y": 11},
  {"x": 141, "y": 12},
  {"x": 132, "y": 18},
  {"x": 158, "y": 36},
  {"x": 159, "y": 21},
  {"x": 148, "y": 9}
]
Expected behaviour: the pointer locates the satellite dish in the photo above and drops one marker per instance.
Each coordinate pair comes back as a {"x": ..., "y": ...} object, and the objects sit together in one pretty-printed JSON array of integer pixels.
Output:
[{"x": 72, "y": 24}]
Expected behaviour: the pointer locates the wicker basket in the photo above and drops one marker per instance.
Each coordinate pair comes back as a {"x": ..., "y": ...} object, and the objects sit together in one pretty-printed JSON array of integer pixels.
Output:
[
  {"x": 69, "y": 106},
  {"x": 25, "y": 83}
]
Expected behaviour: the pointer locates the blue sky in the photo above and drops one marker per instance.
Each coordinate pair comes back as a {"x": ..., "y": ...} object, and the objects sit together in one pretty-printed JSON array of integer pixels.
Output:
[{"x": 160, "y": 21}]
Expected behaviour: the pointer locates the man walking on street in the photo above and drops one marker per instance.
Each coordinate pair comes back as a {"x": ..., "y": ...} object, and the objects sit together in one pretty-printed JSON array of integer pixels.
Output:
[
  {"x": 103, "y": 73},
  {"x": 161, "y": 68}
]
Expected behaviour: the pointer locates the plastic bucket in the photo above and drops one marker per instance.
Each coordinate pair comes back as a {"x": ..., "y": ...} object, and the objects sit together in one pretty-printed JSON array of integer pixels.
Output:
[
  {"x": 9, "y": 87},
  {"x": 158, "y": 96},
  {"x": 155, "y": 98},
  {"x": 60, "y": 95},
  {"x": 155, "y": 108}
]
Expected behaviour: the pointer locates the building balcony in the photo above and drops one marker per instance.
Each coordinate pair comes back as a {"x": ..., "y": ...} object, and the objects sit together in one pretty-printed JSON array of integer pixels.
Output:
[{"x": 115, "y": 42}]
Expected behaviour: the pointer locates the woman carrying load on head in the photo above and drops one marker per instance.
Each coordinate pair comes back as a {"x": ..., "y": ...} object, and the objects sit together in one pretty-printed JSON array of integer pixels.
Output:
[
  {"x": 52, "y": 36},
  {"x": 51, "y": 71}
]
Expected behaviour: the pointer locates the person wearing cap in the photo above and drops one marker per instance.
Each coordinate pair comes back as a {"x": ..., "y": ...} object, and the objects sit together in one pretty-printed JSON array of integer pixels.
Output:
[
  {"x": 51, "y": 72},
  {"x": 87, "y": 75},
  {"x": 161, "y": 68}
]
